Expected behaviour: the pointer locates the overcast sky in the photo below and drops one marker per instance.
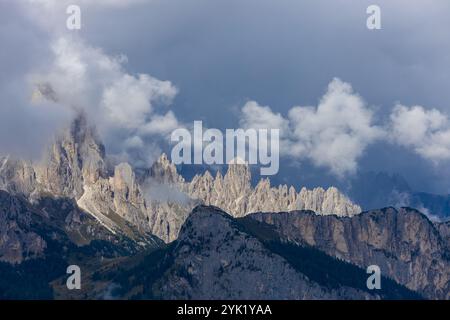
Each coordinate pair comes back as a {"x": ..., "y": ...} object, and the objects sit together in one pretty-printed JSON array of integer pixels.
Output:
[{"x": 351, "y": 99}]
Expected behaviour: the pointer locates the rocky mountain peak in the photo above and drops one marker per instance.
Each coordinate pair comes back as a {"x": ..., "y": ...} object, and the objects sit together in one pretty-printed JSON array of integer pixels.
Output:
[
  {"x": 235, "y": 194},
  {"x": 124, "y": 178},
  {"x": 164, "y": 171},
  {"x": 160, "y": 199},
  {"x": 238, "y": 177},
  {"x": 76, "y": 158}
]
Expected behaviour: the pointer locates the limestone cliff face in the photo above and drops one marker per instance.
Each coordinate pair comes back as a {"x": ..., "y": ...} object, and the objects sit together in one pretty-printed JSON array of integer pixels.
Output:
[
  {"x": 74, "y": 160},
  {"x": 230, "y": 192},
  {"x": 128, "y": 200},
  {"x": 403, "y": 243},
  {"x": 213, "y": 259},
  {"x": 217, "y": 256},
  {"x": 119, "y": 197},
  {"x": 234, "y": 193},
  {"x": 74, "y": 167}
]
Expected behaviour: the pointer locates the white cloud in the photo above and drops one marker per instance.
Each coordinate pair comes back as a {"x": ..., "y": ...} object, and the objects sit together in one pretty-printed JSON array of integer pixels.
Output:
[
  {"x": 122, "y": 105},
  {"x": 334, "y": 134},
  {"x": 427, "y": 132},
  {"x": 128, "y": 100},
  {"x": 262, "y": 117},
  {"x": 126, "y": 108},
  {"x": 160, "y": 124}
]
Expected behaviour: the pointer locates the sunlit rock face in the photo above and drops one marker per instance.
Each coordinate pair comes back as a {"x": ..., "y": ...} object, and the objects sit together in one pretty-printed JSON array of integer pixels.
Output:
[
  {"x": 234, "y": 193},
  {"x": 158, "y": 201},
  {"x": 75, "y": 159}
]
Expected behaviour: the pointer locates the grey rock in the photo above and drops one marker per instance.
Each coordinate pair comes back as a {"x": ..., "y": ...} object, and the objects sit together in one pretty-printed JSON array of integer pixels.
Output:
[
  {"x": 402, "y": 242},
  {"x": 213, "y": 259},
  {"x": 233, "y": 193},
  {"x": 18, "y": 242}
]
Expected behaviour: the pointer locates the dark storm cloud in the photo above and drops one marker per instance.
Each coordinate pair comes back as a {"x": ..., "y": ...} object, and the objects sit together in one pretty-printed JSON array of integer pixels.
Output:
[
  {"x": 221, "y": 54},
  {"x": 284, "y": 53}
]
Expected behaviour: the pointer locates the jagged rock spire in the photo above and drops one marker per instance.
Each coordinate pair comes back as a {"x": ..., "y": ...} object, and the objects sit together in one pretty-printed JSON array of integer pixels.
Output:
[
  {"x": 164, "y": 171},
  {"x": 75, "y": 168},
  {"x": 76, "y": 158}
]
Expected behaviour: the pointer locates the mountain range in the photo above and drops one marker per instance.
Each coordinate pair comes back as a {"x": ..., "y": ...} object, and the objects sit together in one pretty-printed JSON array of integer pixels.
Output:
[{"x": 150, "y": 234}]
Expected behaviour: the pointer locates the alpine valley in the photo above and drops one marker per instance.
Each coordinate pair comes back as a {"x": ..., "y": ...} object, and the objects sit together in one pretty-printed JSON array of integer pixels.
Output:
[{"x": 151, "y": 234}]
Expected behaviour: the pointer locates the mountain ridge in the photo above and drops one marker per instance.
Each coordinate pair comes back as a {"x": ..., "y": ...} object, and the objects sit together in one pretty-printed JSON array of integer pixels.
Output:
[
  {"x": 76, "y": 166},
  {"x": 200, "y": 238},
  {"x": 218, "y": 256}
]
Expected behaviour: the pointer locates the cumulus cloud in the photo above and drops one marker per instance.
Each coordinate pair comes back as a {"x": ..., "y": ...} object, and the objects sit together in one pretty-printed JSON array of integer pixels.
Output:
[
  {"x": 334, "y": 134},
  {"x": 427, "y": 132},
  {"x": 128, "y": 100},
  {"x": 262, "y": 117},
  {"x": 125, "y": 107}
]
